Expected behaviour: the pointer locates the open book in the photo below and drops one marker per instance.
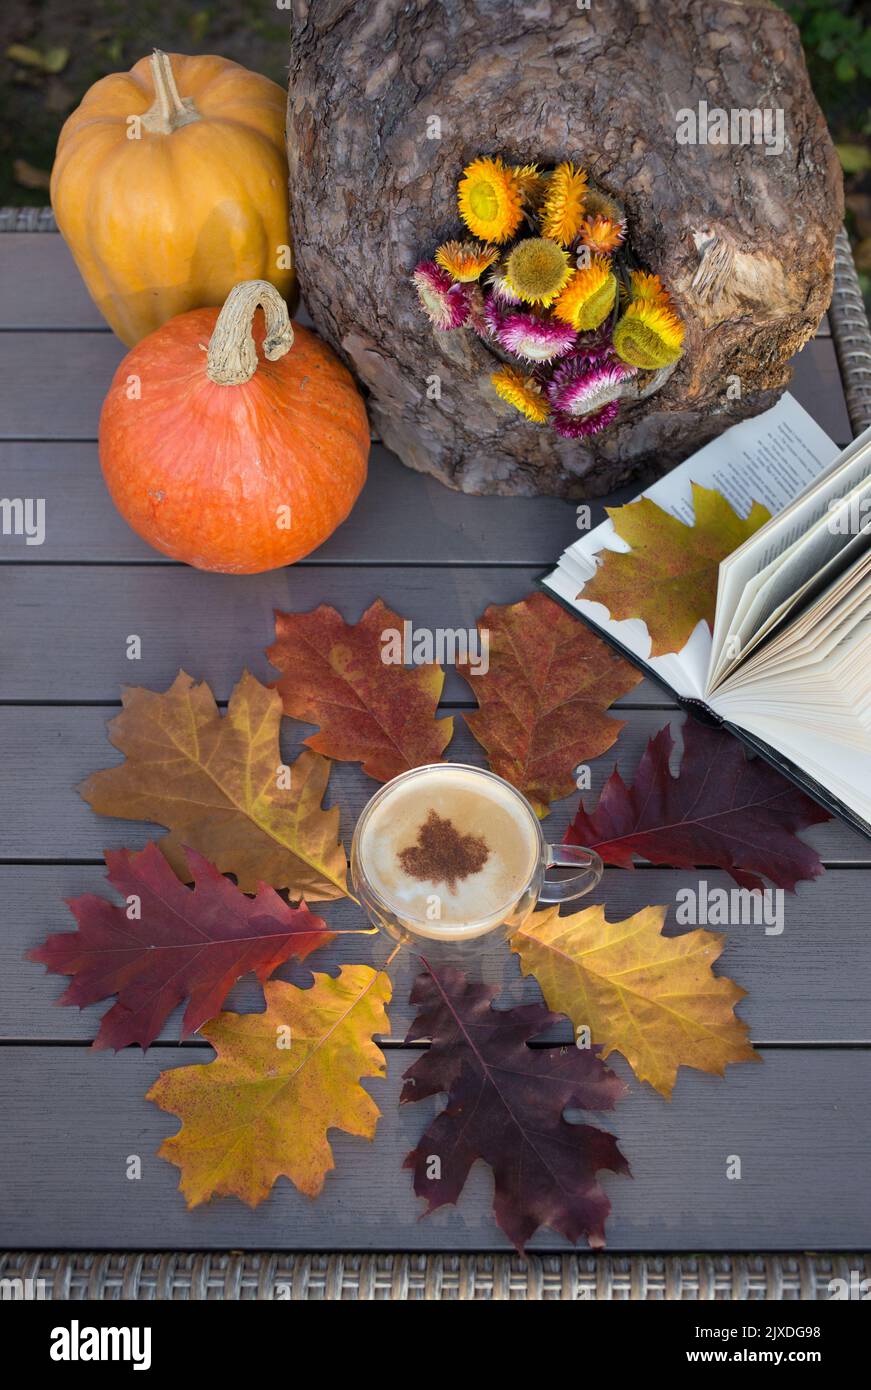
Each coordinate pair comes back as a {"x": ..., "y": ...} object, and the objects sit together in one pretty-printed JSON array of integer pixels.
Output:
[{"x": 787, "y": 667}]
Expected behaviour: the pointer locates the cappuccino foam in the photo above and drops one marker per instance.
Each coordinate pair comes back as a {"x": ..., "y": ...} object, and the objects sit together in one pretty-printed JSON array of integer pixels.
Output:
[{"x": 450, "y": 851}]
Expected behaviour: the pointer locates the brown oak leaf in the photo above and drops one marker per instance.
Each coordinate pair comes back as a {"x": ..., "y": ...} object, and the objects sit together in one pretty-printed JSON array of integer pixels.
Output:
[
  {"x": 221, "y": 787},
  {"x": 370, "y": 710},
  {"x": 542, "y": 701}
]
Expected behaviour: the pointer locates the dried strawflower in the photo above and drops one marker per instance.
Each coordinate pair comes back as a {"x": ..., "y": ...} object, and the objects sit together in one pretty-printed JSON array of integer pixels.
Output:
[
  {"x": 563, "y": 206},
  {"x": 465, "y": 260},
  {"x": 649, "y": 335},
  {"x": 578, "y": 389},
  {"x": 582, "y": 426},
  {"x": 595, "y": 347},
  {"x": 489, "y": 200},
  {"x": 493, "y": 316},
  {"x": 446, "y": 303},
  {"x": 531, "y": 184},
  {"x": 537, "y": 270},
  {"x": 533, "y": 338},
  {"x": 523, "y": 392},
  {"x": 538, "y": 287},
  {"x": 599, "y": 204},
  {"x": 477, "y": 319},
  {"x": 589, "y": 296},
  {"x": 601, "y": 234},
  {"x": 500, "y": 288},
  {"x": 649, "y": 287}
]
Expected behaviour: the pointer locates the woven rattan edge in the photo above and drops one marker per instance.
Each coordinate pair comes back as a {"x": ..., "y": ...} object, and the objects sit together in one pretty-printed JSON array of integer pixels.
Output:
[
  {"x": 27, "y": 220},
  {"x": 148, "y": 1275},
  {"x": 851, "y": 335}
]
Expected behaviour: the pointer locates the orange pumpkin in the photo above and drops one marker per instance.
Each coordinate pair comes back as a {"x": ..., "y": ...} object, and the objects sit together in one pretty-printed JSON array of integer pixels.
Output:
[
  {"x": 232, "y": 446},
  {"x": 170, "y": 186}
]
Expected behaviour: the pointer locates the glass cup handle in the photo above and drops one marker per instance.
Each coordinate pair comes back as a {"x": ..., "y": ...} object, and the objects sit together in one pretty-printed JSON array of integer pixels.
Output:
[{"x": 570, "y": 857}]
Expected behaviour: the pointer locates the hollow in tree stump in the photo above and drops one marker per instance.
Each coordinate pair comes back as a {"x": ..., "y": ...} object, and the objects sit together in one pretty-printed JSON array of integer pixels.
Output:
[{"x": 390, "y": 99}]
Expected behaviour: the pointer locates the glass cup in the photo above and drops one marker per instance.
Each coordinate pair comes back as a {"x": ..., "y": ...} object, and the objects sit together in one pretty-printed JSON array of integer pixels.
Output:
[{"x": 419, "y": 920}]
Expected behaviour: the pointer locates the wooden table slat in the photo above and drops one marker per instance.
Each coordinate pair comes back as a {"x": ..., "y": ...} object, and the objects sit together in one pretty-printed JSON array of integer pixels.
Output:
[
  {"x": 805, "y": 985},
  {"x": 402, "y": 517},
  {"x": 61, "y": 379},
  {"x": 213, "y": 625},
  {"x": 72, "y": 1118},
  {"x": 49, "y": 751}
]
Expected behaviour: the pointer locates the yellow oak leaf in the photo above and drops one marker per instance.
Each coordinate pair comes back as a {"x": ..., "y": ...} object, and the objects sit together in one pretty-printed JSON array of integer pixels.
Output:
[
  {"x": 281, "y": 1079},
  {"x": 654, "y": 998},
  {"x": 220, "y": 786},
  {"x": 669, "y": 576}
]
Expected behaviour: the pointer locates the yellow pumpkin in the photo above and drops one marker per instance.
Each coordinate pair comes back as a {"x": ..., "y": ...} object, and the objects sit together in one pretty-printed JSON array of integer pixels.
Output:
[{"x": 170, "y": 186}]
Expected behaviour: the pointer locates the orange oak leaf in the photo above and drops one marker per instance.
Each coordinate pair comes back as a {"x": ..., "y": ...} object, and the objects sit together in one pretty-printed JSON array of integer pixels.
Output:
[
  {"x": 669, "y": 576},
  {"x": 281, "y": 1079},
  {"x": 220, "y": 786},
  {"x": 350, "y": 679},
  {"x": 654, "y": 998},
  {"x": 178, "y": 943},
  {"x": 542, "y": 702}
]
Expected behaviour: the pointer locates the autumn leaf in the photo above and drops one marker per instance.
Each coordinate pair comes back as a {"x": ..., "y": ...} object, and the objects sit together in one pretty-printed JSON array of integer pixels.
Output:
[
  {"x": 654, "y": 998},
  {"x": 281, "y": 1079},
  {"x": 178, "y": 944},
  {"x": 220, "y": 786},
  {"x": 505, "y": 1105},
  {"x": 722, "y": 810},
  {"x": 376, "y": 712},
  {"x": 541, "y": 703},
  {"x": 669, "y": 577}
]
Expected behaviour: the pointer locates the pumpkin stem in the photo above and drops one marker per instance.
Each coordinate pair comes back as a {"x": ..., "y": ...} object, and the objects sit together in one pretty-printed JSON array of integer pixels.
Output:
[
  {"x": 232, "y": 358},
  {"x": 169, "y": 110}
]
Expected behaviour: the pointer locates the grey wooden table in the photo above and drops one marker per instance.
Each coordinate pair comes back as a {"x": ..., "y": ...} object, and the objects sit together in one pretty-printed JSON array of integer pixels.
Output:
[{"x": 801, "y": 1122}]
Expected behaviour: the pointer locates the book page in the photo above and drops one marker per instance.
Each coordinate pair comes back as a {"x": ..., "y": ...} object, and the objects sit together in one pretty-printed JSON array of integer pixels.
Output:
[
  {"x": 807, "y": 692},
  {"x": 770, "y": 459},
  {"x": 780, "y": 561}
]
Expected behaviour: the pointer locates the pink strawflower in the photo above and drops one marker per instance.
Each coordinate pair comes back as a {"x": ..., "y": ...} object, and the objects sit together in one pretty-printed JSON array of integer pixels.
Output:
[
  {"x": 477, "y": 319},
  {"x": 492, "y": 316},
  {"x": 577, "y": 388},
  {"x": 501, "y": 290},
  {"x": 596, "y": 347},
  {"x": 535, "y": 339},
  {"x": 445, "y": 303},
  {"x": 581, "y": 426}
]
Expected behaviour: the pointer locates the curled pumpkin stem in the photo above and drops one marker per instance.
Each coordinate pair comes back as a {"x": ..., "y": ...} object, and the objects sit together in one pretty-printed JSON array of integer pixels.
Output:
[
  {"x": 232, "y": 354},
  {"x": 169, "y": 110}
]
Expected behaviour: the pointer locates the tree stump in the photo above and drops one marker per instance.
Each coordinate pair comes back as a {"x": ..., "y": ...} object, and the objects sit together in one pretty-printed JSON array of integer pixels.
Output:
[{"x": 390, "y": 99}]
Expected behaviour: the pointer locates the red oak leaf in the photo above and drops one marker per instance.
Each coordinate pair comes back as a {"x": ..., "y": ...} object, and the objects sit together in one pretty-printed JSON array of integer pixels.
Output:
[
  {"x": 723, "y": 810},
  {"x": 184, "y": 944},
  {"x": 371, "y": 709},
  {"x": 505, "y": 1106}
]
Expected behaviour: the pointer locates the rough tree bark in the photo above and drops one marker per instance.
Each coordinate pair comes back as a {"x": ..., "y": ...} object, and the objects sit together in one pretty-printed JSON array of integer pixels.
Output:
[{"x": 743, "y": 238}]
